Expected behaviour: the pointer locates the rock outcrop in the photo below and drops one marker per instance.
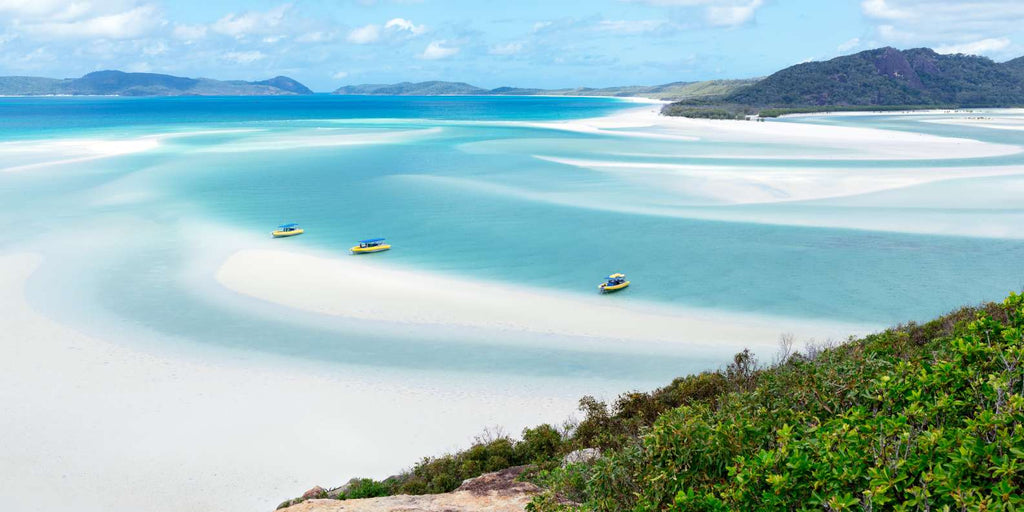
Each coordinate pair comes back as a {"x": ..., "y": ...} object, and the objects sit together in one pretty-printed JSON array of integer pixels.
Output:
[{"x": 492, "y": 492}]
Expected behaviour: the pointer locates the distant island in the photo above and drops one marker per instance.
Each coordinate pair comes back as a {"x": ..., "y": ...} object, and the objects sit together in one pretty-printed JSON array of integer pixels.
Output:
[
  {"x": 879, "y": 79},
  {"x": 119, "y": 83},
  {"x": 671, "y": 91}
]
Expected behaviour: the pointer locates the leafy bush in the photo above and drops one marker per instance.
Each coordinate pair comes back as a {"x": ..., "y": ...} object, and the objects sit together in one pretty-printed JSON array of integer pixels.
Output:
[
  {"x": 921, "y": 417},
  {"x": 365, "y": 488},
  {"x": 542, "y": 446}
]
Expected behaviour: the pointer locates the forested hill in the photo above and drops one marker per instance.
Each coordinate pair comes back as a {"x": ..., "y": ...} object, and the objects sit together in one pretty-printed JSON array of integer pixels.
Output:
[
  {"x": 887, "y": 76},
  {"x": 119, "y": 83}
]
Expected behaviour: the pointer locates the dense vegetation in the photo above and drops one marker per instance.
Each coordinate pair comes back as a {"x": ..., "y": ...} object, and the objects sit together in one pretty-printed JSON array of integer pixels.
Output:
[
  {"x": 884, "y": 77},
  {"x": 919, "y": 417},
  {"x": 107, "y": 83}
]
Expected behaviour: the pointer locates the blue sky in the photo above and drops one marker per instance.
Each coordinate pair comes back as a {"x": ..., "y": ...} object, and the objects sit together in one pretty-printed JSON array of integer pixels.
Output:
[{"x": 526, "y": 43}]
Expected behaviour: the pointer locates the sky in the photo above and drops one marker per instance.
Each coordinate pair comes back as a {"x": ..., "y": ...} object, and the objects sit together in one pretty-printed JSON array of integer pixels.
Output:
[{"x": 524, "y": 43}]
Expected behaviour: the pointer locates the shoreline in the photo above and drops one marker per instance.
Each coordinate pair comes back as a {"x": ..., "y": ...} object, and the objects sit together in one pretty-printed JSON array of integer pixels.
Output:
[
  {"x": 223, "y": 429},
  {"x": 342, "y": 286}
]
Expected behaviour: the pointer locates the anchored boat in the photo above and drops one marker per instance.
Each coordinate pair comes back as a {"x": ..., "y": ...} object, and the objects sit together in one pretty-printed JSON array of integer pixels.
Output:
[
  {"x": 371, "y": 245},
  {"x": 287, "y": 230},
  {"x": 614, "y": 283}
]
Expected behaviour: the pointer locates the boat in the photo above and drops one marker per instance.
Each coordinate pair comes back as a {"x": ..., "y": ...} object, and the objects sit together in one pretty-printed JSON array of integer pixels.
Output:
[
  {"x": 287, "y": 230},
  {"x": 614, "y": 283},
  {"x": 371, "y": 245}
]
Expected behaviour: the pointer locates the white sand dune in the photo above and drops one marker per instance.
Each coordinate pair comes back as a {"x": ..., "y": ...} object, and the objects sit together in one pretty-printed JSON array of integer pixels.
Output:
[
  {"x": 849, "y": 142},
  {"x": 349, "y": 287},
  {"x": 319, "y": 139},
  {"x": 94, "y": 426},
  {"x": 750, "y": 184},
  {"x": 27, "y": 155},
  {"x": 1013, "y": 123}
]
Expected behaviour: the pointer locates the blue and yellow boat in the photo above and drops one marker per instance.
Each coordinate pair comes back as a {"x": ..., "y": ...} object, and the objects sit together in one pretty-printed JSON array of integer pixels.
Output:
[
  {"x": 287, "y": 230},
  {"x": 371, "y": 245},
  {"x": 614, "y": 283}
]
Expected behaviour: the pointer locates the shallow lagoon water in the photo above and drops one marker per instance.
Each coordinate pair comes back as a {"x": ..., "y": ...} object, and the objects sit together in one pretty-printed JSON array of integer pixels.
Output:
[{"x": 458, "y": 193}]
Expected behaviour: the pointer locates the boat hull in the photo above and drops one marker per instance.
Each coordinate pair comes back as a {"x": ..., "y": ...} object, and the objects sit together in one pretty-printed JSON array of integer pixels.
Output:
[
  {"x": 605, "y": 288},
  {"x": 284, "y": 234},
  {"x": 368, "y": 250}
]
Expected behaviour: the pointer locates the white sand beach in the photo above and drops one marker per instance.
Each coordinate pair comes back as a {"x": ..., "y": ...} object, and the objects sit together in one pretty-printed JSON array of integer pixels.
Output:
[
  {"x": 109, "y": 427},
  {"x": 849, "y": 141},
  {"x": 347, "y": 286}
]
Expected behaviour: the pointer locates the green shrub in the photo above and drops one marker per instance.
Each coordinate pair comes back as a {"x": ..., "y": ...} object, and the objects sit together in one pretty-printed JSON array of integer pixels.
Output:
[
  {"x": 921, "y": 417},
  {"x": 365, "y": 488}
]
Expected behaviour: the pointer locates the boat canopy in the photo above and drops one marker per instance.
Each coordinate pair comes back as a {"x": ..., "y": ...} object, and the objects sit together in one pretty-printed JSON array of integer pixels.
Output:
[
  {"x": 616, "y": 276},
  {"x": 371, "y": 240},
  {"x": 292, "y": 225}
]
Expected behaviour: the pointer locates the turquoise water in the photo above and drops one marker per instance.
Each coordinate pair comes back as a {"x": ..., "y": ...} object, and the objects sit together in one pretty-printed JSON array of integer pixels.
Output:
[{"x": 457, "y": 185}]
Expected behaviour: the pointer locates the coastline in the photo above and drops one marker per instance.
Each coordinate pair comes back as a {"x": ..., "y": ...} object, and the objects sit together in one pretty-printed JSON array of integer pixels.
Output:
[
  {"x": 79, "y": 402},
  {"x": 222, "y": 430},
  {"x": 343, "y": 286}
]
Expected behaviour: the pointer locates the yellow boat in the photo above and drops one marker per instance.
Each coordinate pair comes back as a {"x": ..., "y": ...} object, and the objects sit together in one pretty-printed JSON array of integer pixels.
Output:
[
  {"x": 287, "y": 230},
  {"x": 371, "y": 245},
  {"x": 614, "y": 283}
]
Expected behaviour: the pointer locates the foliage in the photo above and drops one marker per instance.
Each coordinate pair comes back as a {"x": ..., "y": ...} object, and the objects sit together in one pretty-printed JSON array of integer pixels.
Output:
[
  {"x": 365, "y": 488},
  {"x": 541, "y": 446},
  {"x": 777, "y": 112},
  {"x": 920, "y": 417},
  {"x": 883, "y": 77},
  {"x": 695, "y": 109}
]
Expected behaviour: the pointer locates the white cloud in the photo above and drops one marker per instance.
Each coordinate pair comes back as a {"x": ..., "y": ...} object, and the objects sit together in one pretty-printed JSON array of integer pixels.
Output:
[
  {"x": 129, "y": 24},
  {"x": 630, "y": 26},
  {"x": 63, "y": 10},
  {"x": 981, "y": 47},
  {"x": 718, "y": 13},
  {"x": 438, "y": 50},
  {"x": 394, "y": 28},
  {"x": 318, "y": 36},
  {"x": 849, "y": 45},
  {"x": 189, "y": 33},
  {"x": 732, "y": 15},
  {"x": 157, "y": 48},
  {"x": 339, "y": 75},
  {"x": 404, "y": 24},
  {"x": 6, "y": 38},
  {"x": 506, "y": 49},
  {"x": 251, "y": 22},
  {"x": 980, "y": 26},
  {"x": 243, "y": 57},
  {"x": 364, "y": 35},
  {"x": 882, "y": 10}
]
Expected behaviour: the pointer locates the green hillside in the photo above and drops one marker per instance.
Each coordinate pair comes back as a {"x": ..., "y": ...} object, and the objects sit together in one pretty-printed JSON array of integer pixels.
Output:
[
  {"x": 919, "y": 417},
  {"x": 884, "y": 77}
]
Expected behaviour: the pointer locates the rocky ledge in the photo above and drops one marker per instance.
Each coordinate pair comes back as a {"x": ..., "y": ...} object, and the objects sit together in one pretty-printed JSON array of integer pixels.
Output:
[{"x": 491, "y": 492}]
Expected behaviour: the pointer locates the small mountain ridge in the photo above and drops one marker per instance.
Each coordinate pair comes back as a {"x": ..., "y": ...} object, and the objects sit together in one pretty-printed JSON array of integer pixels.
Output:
[
  {"x": 120, "y": 83},
  {"x": 888, "y": 76},
  {"x": 674, "y": 90}
]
